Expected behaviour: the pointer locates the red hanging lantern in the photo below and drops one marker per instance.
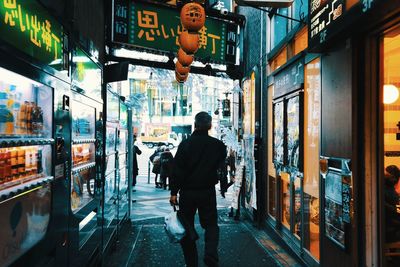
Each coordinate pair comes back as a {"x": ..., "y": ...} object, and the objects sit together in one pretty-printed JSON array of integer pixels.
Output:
[
  {"x": 181, "y": 78},
  {"x": 184, "y": 58},
  {"x": 193, "y": 17},
  {"x": 179, "y": 68},
  {"x": 189, "y": 42}
]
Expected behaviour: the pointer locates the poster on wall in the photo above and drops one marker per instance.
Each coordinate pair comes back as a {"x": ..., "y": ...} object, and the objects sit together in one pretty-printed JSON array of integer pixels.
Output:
[
  {"x": 246, "y": 106},
  {"x": 293, "y": 132},
  {"x": 334, "y": 224},
  {"x": 250, "y": 172},
  {"x": 278, "y": 157}
]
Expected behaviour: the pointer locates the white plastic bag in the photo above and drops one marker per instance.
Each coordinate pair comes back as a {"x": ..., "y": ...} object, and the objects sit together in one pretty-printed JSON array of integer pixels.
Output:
[{"x": 174, "y": 227}]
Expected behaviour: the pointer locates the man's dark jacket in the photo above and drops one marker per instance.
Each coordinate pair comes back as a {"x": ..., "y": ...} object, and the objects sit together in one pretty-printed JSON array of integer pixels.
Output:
[{"x": 196, "y": 162}]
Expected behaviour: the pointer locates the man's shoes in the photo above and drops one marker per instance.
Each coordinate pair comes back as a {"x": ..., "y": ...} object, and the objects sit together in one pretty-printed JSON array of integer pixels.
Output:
[
  {"x": 133, "y": 190},
  {"x": 134, "y": 200}
]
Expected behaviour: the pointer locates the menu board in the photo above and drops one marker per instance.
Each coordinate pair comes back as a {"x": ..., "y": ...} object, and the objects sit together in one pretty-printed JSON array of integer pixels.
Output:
[
  {"x": 278, "y": 133},
  {"x": 293, "y": 132}
]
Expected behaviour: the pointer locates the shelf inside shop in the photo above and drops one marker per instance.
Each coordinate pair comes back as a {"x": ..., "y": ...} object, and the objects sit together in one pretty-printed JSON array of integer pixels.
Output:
[
  {"x": 17, "y": 187},
  {"x": 83, "y": 141},
  {"x": 14, "y": 142},
  {"x": 82, "y": 167}
]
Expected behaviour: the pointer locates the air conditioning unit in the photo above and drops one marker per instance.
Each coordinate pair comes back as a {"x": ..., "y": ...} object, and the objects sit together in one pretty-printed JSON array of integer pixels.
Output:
[{"x": 265, "y": 3}]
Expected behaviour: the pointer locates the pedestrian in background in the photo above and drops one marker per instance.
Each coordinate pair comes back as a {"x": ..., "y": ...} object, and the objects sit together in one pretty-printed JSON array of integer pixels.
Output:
[
  {"x": 194, "y": 177},
  {"x": 136, "y": 151},
  {"x": 155, "y": 159},
  {"x": 166, "y": 166}
]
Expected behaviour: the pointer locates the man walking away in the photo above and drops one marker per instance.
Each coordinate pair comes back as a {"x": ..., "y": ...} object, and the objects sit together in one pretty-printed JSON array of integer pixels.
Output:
[
  {"x": 166, "y": 167},
  {"x": 194, "y": 177},
  {"x": 136, "y": 151}
]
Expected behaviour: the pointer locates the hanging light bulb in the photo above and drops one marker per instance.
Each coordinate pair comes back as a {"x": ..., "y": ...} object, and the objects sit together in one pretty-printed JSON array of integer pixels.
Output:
[{"x": 390, "y": 94}]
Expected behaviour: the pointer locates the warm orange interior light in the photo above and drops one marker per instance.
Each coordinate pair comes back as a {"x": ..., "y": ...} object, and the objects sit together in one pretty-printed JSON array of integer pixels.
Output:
[{"x": 390, "y": 94}]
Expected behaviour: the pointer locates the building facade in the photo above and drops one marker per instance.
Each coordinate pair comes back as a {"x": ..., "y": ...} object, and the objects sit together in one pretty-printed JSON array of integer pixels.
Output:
[{"x": 327, "y": 111}]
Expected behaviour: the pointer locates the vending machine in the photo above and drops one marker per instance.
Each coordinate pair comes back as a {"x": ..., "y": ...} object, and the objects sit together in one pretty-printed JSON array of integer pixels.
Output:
[
  {"x": 26, "y": 146},
  {"x": 111, "y": 199},
  {"x": 34, "y": 94},
  {"x": 85, "y": 178},
  {"x": 123, "y": 163}
]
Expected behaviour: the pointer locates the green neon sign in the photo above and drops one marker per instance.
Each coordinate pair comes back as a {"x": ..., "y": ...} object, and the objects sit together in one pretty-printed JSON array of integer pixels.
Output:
[
  {"x": 29, "y": 27},
  {"x": 156, "y": 27}
]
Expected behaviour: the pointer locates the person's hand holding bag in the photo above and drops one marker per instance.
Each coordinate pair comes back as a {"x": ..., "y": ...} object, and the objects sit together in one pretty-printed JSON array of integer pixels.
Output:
[{"x": 174, "y": 227}]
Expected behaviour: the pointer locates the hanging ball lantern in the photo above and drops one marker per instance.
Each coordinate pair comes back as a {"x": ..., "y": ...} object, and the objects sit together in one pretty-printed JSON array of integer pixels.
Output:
[
  {"x": 184, "y": 58},
  {"x": 181, "y": 78},
  {"x": 179, "y": 68},
  {"x": 189, "y": 42},
  {"x": 193, "y": 17}
]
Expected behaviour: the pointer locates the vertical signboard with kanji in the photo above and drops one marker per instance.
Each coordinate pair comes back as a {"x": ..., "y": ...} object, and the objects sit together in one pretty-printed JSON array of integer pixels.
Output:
[
  {"x": 157, "y": 28},
  {"x": 120, "y": 31},
  {"x": 27, "y": 26}
]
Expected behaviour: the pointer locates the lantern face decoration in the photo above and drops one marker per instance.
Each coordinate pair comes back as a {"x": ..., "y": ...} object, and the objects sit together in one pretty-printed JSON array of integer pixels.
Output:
[
  {"x": 181, "y": 78},
  {"x": 184, "y": 58},
  {"x": 179, "y": 68},
  {"x": 193, "y": 17},
  {"x": 189, "y": 42}
]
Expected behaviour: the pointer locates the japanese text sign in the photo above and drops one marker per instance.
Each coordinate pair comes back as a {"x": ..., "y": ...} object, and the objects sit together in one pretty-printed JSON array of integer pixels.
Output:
[
  {"x": 326, "y": 14},
  {"x": 28, "y": 26},
  {"x": 157, "y": 28},
  {"x": 346, "y": 198}
]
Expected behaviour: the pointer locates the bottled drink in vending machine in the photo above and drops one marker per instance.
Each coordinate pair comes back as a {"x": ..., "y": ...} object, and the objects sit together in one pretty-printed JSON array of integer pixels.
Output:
[
  {"x": 39, "y": 161},
  {"x": 2, "y": 165},
  {"x": 21, "y": 162}
]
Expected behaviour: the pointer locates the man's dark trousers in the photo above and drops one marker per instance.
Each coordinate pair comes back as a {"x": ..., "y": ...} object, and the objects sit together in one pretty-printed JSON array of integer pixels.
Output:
[{"x": 205, "y": 202}]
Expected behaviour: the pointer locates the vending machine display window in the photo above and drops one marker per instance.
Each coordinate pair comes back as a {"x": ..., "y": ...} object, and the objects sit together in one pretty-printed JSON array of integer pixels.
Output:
[
  {"x": 25, "y": 107},
  {"x": 109, "y": 187},
  {"x": 23, "y": 165},
  {"x": 110, "y": 163},
  {"x": 83, "y": 121},
  {"x": 122, "y": 141},
  {"x": 83, "y": 154},
  {"x": 110, "y": 139},
  {"x": 82, "y": 188}
]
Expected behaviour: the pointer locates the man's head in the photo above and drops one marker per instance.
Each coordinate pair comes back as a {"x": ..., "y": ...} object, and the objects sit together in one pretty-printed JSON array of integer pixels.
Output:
[{"x": 202, "y": 121}]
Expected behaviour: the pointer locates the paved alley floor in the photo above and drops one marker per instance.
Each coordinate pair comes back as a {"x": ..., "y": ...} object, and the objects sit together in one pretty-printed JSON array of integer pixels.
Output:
[{"x": 143, "y": 241}]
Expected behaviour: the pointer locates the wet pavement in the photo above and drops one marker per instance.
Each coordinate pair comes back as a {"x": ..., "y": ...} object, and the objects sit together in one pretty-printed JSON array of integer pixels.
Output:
[{"x": 143, "y": 241}]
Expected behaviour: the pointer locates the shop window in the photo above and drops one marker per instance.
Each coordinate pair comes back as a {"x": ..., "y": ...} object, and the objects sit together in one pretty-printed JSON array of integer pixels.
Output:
[
  {"x": 271, "y": 167},
  {"x": 279, "y": 60},
  {"x": 280, "y": 26},
  {"x": 297, "y": 207},
  {"x": 285, "y": 197},
  {"x": 391, "y": 183},
  {"x": 300, "y": 10},
  {"x": 301, "y": 41},
  {"x": 312, "y": 114}
]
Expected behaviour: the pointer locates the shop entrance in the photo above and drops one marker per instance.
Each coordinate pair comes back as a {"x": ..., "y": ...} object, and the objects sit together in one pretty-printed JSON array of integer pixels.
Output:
[{"x": 390, "y": 83}]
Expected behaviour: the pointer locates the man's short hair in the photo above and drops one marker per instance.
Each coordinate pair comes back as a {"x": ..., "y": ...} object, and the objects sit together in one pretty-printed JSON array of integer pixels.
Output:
[{"x": 202, "y": 121}]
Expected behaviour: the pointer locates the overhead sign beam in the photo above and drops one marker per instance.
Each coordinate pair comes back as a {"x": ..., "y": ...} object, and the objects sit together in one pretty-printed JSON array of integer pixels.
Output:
[
  {"x": 265, "y": 3},
  {"x": 156, "y": 28}
]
